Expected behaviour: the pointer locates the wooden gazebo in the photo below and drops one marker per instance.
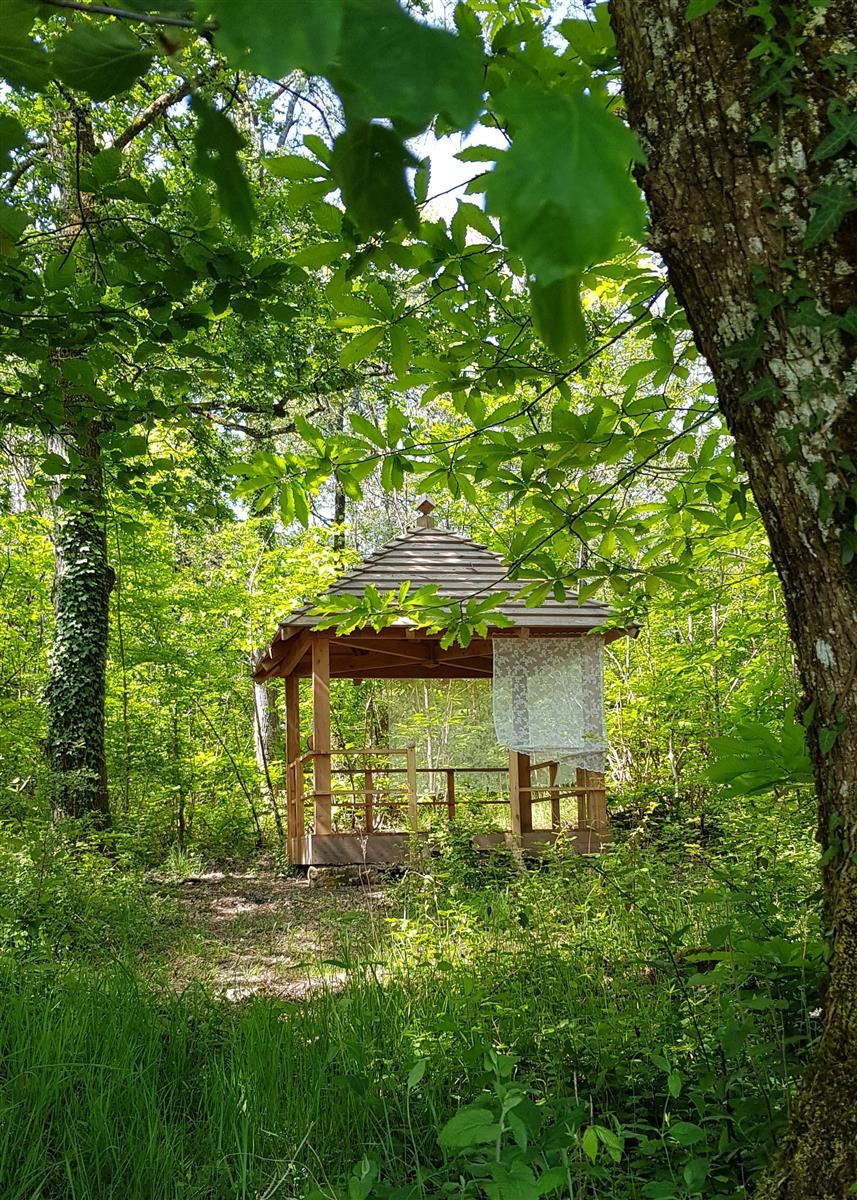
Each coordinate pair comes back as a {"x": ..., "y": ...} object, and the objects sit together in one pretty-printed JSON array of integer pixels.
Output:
[{"x": 365, "y": 805}]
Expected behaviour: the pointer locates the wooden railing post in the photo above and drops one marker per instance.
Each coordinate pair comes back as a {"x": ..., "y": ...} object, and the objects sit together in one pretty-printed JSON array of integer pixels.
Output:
[
  {"x": 553, "y": 770},
  {"x": 583, "y": 818},
  {"x": 524, "y": 788},
  {"x": 515, "y": 794},
  {"x": 321, "y": 734},
  {"x": 592, "y": 803},
  {"x": 369, "y": 787},
  {"x": 450, "y": 793},
  {"x": 598, "y": 800},
  {"x": 294, "y": 802},
  {"x": 411, "y": 762}
]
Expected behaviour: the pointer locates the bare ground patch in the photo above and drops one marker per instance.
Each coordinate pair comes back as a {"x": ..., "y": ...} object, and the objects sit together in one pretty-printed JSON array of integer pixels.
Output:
[{"x": 271, "y": 935}]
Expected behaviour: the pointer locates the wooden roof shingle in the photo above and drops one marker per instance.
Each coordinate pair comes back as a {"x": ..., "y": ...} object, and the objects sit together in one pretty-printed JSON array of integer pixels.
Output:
[{"x": 461, "y": 569}]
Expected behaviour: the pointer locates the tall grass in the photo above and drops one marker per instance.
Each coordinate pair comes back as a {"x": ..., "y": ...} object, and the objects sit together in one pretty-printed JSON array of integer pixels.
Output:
[{"x": 628, "y": 994}]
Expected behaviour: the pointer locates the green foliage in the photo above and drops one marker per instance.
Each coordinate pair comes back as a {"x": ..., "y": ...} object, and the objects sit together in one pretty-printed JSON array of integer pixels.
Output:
[
  {"x": 368, "y": 163},
  {"x": 757, "y": 760},
  {"x": 460, "y": 621},
  {"x": 60, "y": 896},
  {"x": 217, "y": 144},
  {"x": 563, "y": 190},
  {"x": 833, "y": 201},
  {"x": 99, "y": 60},
  {"x": 254, "y": 38},
  {"x": 557, "y": 314}
]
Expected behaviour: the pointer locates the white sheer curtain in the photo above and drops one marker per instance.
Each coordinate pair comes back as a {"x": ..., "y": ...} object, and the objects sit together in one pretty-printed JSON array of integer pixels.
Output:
[{"x": 549, "y": 698}]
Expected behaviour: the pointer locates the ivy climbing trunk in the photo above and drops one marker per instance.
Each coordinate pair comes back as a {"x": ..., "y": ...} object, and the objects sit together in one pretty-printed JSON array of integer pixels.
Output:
[
  {"x": 735, "y": 177},
  {"x": 77, "y": 662},
  {"x": 83, "y": 578}
]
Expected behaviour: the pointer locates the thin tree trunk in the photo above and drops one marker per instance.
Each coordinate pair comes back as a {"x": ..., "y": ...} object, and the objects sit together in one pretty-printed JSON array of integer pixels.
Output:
[
  {"x": 267, "y": 742},
  {"x": 339, "y": 501},
  {"x": 729, "y": 214}
]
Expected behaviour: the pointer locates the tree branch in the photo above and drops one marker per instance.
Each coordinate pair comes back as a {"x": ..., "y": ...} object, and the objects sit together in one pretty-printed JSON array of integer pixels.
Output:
[
  {"x": 125, "y": 14},
  {"x": 154, "y": 110},
  {"x": 23, "y": 166}
]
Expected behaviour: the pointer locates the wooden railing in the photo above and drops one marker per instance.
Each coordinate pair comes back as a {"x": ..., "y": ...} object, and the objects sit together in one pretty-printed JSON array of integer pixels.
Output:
[{"x": 371, "y": 796}]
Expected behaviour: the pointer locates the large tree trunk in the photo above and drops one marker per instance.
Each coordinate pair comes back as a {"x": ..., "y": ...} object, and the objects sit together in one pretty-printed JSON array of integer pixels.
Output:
[
  {"x": 83, "y": 577},
  {"x": 77, "y": 661},
  {"x": 729, "y": 213}
]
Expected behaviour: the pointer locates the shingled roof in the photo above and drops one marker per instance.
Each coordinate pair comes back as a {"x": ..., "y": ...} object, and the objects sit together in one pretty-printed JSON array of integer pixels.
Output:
[{"x": 461, "y": 569}]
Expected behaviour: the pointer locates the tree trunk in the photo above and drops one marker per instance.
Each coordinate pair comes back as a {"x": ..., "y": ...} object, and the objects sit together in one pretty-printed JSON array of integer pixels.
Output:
[
  {"x": 267, "y": 742},
  {"x": 267, "y": 734},
  {"x": 83, "y": 578},
  {"x": 730, "y": 178},
  {"x": 77, "y": 661}
]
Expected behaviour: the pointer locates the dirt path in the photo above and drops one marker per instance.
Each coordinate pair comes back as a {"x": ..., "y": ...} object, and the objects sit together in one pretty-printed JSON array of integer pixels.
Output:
[{"x": 268, "y": 934}]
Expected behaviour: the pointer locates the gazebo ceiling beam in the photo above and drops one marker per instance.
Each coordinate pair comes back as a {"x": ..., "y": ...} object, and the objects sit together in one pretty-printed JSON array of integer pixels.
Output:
[
  {"x": 476, "y": 669},
  {"x": 405, "y": 650}
]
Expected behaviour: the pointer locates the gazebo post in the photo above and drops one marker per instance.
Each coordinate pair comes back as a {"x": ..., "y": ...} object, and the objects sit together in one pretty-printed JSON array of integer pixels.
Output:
[
  {"x": 321, "y": 733},
  {"x": 294, "y": 776},
  {"x": 525, "y": 785}
]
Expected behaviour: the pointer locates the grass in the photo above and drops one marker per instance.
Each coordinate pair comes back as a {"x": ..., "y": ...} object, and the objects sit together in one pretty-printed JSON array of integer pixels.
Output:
[{"x": 666, "y": 1006}]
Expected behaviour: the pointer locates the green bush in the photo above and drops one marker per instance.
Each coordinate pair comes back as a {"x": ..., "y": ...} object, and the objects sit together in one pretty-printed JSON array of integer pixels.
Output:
[{"x": 61, "y": 896}]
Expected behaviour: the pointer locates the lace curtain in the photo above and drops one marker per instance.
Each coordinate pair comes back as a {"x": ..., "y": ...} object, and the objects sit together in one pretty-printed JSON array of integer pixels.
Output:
[{"x": 549, "y": 698}]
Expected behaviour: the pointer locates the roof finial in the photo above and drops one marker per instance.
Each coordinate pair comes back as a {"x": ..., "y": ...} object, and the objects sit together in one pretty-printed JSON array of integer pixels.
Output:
[{"x": 425, "y": 508}]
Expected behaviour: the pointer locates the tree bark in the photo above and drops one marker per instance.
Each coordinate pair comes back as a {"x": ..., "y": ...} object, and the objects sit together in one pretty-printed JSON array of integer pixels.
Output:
[
  {"x": 267, "y": 742},
  {"x": 77, "y": 662},
  {"x": 730, "y": 207},
  {"x": 83, "y": 577}
]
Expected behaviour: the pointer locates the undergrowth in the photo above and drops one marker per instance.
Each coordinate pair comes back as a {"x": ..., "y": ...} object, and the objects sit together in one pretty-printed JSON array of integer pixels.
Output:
[{"x": 623, "y": 1027}]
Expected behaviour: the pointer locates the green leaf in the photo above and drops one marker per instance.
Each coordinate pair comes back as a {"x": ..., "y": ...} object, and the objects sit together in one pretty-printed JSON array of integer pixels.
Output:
[
  {"x": 100, "y": 60},
  {"x": 589, "y": 1143},
  {"x": 12, "y": 134},
  {"x": 217, "y": 143},
  {"x": 321, "y": 255},
  {"x": 390, "y": 65},
  {"x": 400, "y": 350},
  {"x": 367, "y": 430},
  {"x": 674, "y": 1084},
  {"x": 361, "y": 346},
  {"x": 270, "y": 40},
  {"x": 558, "y": 315},
  {"x": 397, "y": 423},
  {"x": 54, "y": 464},
  {"x": 292, "y": 166},
  {"x": 106, "y": 165},
  {"x": 479, "y": 154},
  {"x": 422, "y": 177},
  {"x": 686, "y": 1133},
  {"x": 13, "y": 222},
  {"x": 563, "y": 191},
  {"x": 834, "y": 200},
  {"x": 416, "y": 1073},
  {"x": 698, "y": 8},
  {"x": 591, "y": 38},
  {"x": 368, "y": 163},
  {"x": 470, "y": 1127},
  {"x": 23, "y": 62},
  {"x": 658, "y": 1189},
  {"x": 844, "y": 130}
]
